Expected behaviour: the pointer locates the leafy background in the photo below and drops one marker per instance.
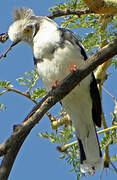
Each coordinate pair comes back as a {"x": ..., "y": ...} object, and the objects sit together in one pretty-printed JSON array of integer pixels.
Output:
[{"x": 38, "y": 158}]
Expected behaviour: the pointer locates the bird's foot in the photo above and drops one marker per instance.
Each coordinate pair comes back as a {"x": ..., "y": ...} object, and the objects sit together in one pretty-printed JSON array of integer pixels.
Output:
[
  {"x": 73, "y": 68},
  {"x": 55, "y": 84},
  {"x": 92, "y": 172}
]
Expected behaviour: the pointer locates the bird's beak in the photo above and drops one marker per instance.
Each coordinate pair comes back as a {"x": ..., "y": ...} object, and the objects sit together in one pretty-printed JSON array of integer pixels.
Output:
[{"x": 15, "y": 43}]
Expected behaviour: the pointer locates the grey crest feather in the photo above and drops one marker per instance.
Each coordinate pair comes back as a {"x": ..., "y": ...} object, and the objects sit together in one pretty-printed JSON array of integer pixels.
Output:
[{"x": 22, "y": 13}]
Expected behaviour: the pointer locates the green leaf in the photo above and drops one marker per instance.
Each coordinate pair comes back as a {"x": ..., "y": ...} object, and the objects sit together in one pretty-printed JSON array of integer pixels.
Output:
[
  {"x": 108, "y": 140},
  {"x": 114, "y": 158},
  {"x": 38, "y": 93},
  {"x": 24, "y": 81},
  {"x": 30, "y": 80},
  {"x": 2, "y": 107},
  {"x": 6, "y": 84},
  {"x": 52, "y": 137},
  {"x": 114, "y": 63}
]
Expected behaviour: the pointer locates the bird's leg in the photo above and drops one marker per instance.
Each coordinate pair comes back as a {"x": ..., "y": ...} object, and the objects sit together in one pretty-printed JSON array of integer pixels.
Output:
[{"x": 73, "y": 68}]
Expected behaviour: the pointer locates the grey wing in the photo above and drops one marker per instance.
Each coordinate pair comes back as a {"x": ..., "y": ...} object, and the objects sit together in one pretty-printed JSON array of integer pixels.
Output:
[{"x": 96, "y": 101}]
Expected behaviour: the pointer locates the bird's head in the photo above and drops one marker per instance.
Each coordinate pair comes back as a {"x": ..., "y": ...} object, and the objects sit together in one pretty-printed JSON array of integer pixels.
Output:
[{"x": 24, "y": 27}]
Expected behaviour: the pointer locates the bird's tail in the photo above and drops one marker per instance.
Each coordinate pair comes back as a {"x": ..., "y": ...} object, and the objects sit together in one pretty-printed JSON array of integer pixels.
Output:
[{"x": 90, "y": 152}]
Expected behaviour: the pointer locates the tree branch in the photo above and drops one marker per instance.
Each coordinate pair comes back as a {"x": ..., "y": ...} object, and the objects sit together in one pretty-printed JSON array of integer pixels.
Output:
[
  {"x": 59, "y": 13},
  {"x": 102, "y": 6},
  {"x": 27, "y": 95},
  {"x": 10, "y": 148}
]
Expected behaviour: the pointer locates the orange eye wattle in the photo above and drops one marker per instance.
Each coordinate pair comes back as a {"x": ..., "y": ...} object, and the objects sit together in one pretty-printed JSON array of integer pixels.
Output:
[{"x": 28, "y": 30}]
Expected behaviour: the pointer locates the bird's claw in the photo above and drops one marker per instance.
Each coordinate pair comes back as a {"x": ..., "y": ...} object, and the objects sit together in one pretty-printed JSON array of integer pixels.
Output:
[
  {"x": 55, "y": 84},
  {"x": 73, "y": 68}
]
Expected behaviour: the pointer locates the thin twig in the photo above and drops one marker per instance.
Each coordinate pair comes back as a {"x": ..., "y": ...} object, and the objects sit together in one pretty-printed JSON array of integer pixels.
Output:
[
  {"x": 21, "y": 93},
  {"x": 107, "y": 129},
  {"x": 9, "y": 49},
  {"x": 115, "y": 169},
  {"x": 108, "y": 93},
  {"x": 6, "y": 52},
  {"x": 27, "y": 95}
]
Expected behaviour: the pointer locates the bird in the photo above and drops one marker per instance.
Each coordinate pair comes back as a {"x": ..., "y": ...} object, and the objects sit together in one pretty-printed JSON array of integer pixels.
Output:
[{"x": 57, "y": 52}]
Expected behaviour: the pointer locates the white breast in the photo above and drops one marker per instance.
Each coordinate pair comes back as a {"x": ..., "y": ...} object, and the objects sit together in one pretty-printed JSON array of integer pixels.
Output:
[{"x": 57, "y": 68}]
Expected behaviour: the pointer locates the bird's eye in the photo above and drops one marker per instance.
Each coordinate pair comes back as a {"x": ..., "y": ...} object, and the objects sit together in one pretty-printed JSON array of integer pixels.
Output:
[{"x": 28, "y": 30}]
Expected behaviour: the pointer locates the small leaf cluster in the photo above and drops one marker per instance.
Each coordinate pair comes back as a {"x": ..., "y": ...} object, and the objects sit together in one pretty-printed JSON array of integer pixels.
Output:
[
  {"x": 68, "y": 4},
  {"x": 62, "y": 136},
  {"x": 30, "y": 81},
  {"x": 111, "y": 139},
  {"x": 5, "y": 84},
  {"x": 2, "y": 107}
]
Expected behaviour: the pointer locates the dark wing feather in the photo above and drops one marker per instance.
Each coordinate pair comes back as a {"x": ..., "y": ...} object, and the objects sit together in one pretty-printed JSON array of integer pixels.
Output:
[
  {"x": 96, "y": 101},
  {"x": 68, "y": 35}
]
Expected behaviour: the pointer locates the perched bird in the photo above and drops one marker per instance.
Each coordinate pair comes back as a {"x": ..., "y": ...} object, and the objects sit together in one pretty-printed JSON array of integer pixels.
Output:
[{"x": 56, "y": 52}]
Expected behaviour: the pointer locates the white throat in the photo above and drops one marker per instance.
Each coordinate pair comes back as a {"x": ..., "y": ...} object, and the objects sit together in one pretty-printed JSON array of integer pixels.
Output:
[{"x": 44, "y": 40}]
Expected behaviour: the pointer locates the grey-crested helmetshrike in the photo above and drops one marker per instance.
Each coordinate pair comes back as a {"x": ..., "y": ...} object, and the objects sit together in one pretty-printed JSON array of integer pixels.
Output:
[{"x": 56, "y": 51}]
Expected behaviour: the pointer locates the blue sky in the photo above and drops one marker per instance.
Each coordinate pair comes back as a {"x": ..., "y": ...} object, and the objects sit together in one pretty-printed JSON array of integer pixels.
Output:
[{"x": 38, "y": 158}]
